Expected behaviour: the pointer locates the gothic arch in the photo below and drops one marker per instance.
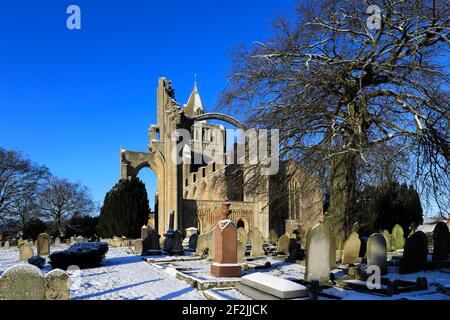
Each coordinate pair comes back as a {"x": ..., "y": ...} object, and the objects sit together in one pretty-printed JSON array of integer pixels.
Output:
[{"x": 222, "y": 117}]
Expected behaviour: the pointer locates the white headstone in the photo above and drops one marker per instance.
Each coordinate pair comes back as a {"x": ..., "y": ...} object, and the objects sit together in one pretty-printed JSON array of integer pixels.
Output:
[{"x": 318, "y": 246}]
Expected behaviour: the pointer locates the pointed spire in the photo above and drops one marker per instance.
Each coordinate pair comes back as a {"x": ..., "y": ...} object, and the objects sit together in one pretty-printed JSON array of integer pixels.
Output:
[{"x": 194, "y": 105}]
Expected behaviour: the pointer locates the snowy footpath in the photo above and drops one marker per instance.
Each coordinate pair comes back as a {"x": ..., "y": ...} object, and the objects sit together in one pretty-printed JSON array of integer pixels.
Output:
[{"x": 120, "y": 277}]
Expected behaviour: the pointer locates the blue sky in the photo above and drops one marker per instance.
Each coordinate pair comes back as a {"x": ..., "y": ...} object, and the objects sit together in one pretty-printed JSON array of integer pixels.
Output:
[{"x": 70, "y": 98}]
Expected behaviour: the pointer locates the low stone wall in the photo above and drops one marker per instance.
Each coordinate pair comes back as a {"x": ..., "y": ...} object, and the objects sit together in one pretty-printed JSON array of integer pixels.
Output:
[
  {"x": 119, "y": 242},
  {"x": 27, "y": 282}
]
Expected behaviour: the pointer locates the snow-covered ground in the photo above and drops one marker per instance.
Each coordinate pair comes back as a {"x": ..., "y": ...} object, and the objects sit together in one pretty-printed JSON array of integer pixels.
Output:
[
  {"x": 120, "y": 277},
  {"x": 124, "y": 276}
]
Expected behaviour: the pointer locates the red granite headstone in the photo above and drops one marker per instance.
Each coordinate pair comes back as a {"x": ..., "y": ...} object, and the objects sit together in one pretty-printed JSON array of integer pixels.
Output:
[{"x": 225, "y": 262}]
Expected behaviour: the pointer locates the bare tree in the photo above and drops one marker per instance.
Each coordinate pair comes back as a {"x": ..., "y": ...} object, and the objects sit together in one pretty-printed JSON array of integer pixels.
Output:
[
  {"x": 60, "y": 199},
  {"x": 343, "y": 93},
  {"x": 19, "y": 182}
]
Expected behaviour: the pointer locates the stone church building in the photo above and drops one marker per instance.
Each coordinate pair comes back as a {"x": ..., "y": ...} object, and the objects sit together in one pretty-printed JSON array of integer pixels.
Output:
[{"x": 193, "y": 190}]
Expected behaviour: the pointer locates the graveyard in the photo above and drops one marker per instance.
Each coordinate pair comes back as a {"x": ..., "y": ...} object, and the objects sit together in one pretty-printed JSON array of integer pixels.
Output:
[
  {"x": 228, "y": 264},
  {"x": 313, "y": 168}
]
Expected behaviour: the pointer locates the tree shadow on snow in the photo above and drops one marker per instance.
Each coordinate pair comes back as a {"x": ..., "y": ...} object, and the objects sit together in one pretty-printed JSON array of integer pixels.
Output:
[
  {"x": 121, "y": 260},
  {"x": 101, "y": 293},
  {"x": 175, "y": 294}
]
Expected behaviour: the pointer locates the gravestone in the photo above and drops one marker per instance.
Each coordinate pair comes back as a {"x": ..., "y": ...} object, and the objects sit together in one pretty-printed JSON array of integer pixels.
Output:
[
  {"x": 20, "y": 242},
  {"x": 171, "y": 230},
  {"x": 22, "y": 282},
  {"x": 241, "y": 249},
  {"x": 177, "y": 244},
  {"x": 318, "y": 244},
  {"x": 226, "y": 257},
  {"x": 356, "y": 227},
  {"x": 189, "y": 232},
  {"x": 363, "y": 249},
  {"x": 257, "y": 240},
  {"x": 388, "y": 238},
  {"x": 398, "y": 239},
  {"x": 6, "y": 246},
  {"x": 13, "y": 242},
  {"x": 295, "y": 251},
  {"x": 212, "y": 244},
  {"x": 144, "y": 232},
  {"x": 415, "y": 253},
  {"x": 25, "y": 251},
  {"x": 43, "y": 244},
  {"x": 440, "y": 242},
  {"x": 273, "y": 237},
  {"x": 274, "y": 286},
  {"x": 332, "y": 250},
  {"x": 57, "y": 242},
  {"x": 376, "y": 252},
  {"x": 57, "y": 285},
  {"x": 203, "y": 242},
  {"x": 283, "y": 244},
  {"x": 193, "y": 239},
  {"x": 242, "y": 235},
  {"x": 351, "y": 249},
  {"x": 138, "y": 246},
  {"x": 79, "y": 239},
  {"x": 151, "y": 245}
]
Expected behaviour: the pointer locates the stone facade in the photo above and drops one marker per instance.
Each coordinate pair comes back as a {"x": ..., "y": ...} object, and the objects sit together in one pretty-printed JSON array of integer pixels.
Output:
[{"x": 195, "y": 191}]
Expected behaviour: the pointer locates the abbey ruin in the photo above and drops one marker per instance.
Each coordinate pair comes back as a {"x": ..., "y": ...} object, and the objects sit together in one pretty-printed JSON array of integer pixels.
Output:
[{"x": 287, "y": 201}]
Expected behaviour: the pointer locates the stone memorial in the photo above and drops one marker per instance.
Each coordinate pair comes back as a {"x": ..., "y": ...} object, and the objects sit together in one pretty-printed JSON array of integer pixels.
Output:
[
  {"x": 398, "y": 238},
  {"x": 351, "y": 249},
  {"x": 388, "y": 238},
  {"x": 138, "y": 246},
  {"x": 177, "y": 244},
  {"x": 295, "y": 251},
  {"x": 376, "y": 252},
  {"x": 57, "y": 242},
  {"x": 274, "y": 286},
  {"x": 225, "y": 259},
  {"x": 257, "y": 241},
  {"x": 151, "y": 245},
  {"x": 241, "y": 249},
  {"x": 440, "y": 242},
  {"x": 242, "y": 235},
  {"x": 415, "y": 253},
  {"x": 283, "y": 244},
  {"x": 192, "y": 244},
  {"x": 57, "y": 285},
  {"x": 43, "y": 244},
  {"x": 25, "y": 251},
  {"x": 189, "y": 232},
  {"x": 144, "y": 232},
  {"x": 273, "y": 237},
  {"x": 6, "y": 246},
  {"x": 22, "y": 282},
  {"x": 332, "y": 250},
  {"x": 318, "y": 244}
]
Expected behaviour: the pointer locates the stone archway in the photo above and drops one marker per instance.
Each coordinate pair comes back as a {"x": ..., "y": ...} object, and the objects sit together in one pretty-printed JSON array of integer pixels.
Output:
[
  {"x": 222, "y": 117},
  {"x": 240, "y": 224},
  {"x": 133, "y": 162}
]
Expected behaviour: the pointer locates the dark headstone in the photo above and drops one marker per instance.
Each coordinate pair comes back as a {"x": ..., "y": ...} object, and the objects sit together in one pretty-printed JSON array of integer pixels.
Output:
[
  {"x": 193, "y": 241},
  {"x": 363, "y": 248},
  {"x": 415, "y": 253},
  {"x": 440, "y": 242},
  {"x": 150, "y": 245},
  {"x": 177, "y": 244},
  {"x": 295, "y": 251}
]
